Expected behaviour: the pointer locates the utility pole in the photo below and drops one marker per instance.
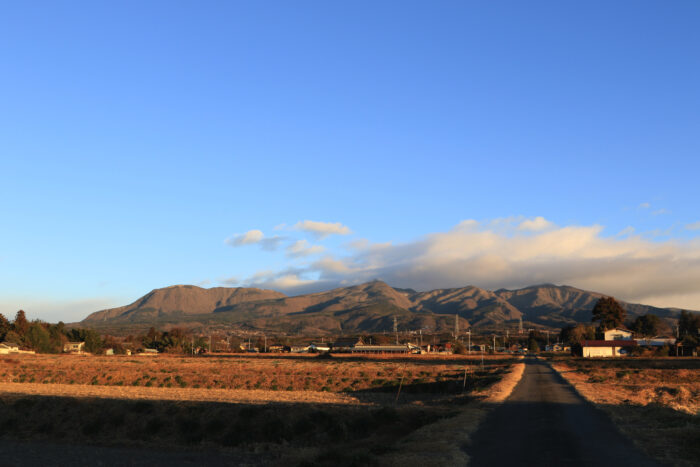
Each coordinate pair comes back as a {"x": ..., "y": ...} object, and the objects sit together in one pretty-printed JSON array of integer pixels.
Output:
[
  {"x": 520, "y": 326},
  {"x": 456, "y": 325},
  {"x": 494, "y": 343},
  {"x": 469, "y": 332},
  {"x": 396, "y": 330},
  {"x": 265, "y": 336}
]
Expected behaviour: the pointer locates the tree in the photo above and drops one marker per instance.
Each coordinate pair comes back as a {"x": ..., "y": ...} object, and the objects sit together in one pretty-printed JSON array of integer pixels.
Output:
[
  {"x": 39, "y": 338},
  {"x": 20, "y": 325},
  {"x": 5, "y": 326},
  {"x": 92, "y": 339},
  {"x": 532, "y": 345},
  {"x": 458, "y": 348},
  {"x": 609, "y": 313},
  {"x": 573, "y": 335},
  {"x": 689, "y": 327},
  {"x": 646, "y": 325}
]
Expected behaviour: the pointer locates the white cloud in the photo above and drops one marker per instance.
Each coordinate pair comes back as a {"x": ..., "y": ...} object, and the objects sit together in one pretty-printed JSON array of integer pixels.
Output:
[
  {"x": 693, "y": 226},
  {"x": 230, "y": 281},
  {"x": 535, "y": 225},
  {"x": 644, "y": 205},
  {"x": 271, "y": 243},
  {"x": 503, "y": 255},
  {"x": 253, "y": 237},
  {"x": 660, "y": 212},
  {"x": 248, "y": 238},
  {"x": 322, "y": 229},
  {"x": 629, "y": 230},
  {"x": 302, "y": 248}
]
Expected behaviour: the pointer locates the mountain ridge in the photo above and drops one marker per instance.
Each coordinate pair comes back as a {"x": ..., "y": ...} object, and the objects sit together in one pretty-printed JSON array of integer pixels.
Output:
[{"x": 368, "y": 307}]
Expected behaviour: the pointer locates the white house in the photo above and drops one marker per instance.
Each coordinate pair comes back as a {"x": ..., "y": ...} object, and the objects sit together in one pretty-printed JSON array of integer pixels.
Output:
[
  {"x": 617, "y": 334},
  {"x": 74, "y": 347},
  {"x": 6, "y": 348},
  {"x": 320, "y": 347},
  {"x": 607, "y": 348}
]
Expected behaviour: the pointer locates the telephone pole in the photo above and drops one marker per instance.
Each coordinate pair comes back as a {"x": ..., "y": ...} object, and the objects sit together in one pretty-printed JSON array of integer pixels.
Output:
[
  {"x": 456, "y": 325},
  {"x": 396, "y": 330}
]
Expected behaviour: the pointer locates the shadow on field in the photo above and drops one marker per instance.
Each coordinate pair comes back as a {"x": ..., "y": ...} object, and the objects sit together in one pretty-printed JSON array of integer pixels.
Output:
[
  {"x": 342, "y": 435},
  {"x": 454, "y": 388},
  {"x": 667, "y": 435}
]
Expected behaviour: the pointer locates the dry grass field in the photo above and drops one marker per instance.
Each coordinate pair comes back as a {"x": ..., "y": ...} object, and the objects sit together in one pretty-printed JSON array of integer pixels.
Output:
[
  {"x": 248, "y": 372},
  {"x": 656, "y": 402},
  {"x": 291, "y": 410}
]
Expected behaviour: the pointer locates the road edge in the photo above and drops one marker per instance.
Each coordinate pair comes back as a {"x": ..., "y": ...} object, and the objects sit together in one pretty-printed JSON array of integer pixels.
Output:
[{"x": 444, "y": 443}]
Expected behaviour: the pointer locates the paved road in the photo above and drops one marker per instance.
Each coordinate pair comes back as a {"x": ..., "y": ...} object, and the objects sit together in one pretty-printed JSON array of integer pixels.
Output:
[{"x": 545, "y": 423}]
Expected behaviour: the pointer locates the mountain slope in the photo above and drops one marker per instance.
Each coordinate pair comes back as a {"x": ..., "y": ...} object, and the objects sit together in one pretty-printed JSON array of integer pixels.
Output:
[
  {"x": 181, "y": 300},
  {"x": 366, "y": 307}
]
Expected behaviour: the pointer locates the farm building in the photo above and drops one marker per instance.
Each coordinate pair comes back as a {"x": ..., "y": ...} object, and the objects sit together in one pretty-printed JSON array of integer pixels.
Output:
[
  {"x": 6, "y": 348},
  {"x": 617, "y": 334},
  {"x": 74, "y": 347},
  {"x": 346, "y": 344},
  {"x": 607, "y": 348},
  {"x": 380, "y": 349},
  {"x": 319, "y": 347}
]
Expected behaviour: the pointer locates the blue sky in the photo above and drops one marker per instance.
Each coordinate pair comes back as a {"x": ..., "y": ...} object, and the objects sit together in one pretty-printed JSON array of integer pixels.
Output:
[{"x": 139, "y": 140}]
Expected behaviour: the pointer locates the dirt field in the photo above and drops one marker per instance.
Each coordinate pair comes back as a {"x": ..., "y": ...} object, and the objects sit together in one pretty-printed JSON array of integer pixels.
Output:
[
  {"x": 656, "y": 402},
  {"x": 274, "y": 373},
  {"x": 281, "y": 410},
  {"x": 668, "y": 382}
]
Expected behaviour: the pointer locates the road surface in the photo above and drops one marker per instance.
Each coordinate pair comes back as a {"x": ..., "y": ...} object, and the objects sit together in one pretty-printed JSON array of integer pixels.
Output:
[{"x": 545, "y": 422}]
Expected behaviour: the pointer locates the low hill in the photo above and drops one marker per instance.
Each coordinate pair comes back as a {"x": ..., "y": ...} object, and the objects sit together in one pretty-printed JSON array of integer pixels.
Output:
[{"x": 369, "y": 307}]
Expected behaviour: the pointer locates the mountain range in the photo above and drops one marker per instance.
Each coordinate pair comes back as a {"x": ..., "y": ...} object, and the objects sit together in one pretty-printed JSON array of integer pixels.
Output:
[{"x": 370, "y": 307}]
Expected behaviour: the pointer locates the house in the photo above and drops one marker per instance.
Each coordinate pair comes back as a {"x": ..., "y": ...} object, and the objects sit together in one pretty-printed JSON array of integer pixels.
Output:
[
  {"x": 558, "y": 348},
  {"x": 346, "y": 344},
  {"x": 299, "y": 348},
  {"x": 319, "y": 347},
  {"x": 7, "y": 348},
  {"x": 607, "y": 348},
  {"x": 148, "y": 352},
  {"x": 74, "y": 347},
  {"x": 617, "y": 334},
  {"x": 109, "y": 351},
  {"x": 275, "y": 348},
  {"x": 380, "y": 349}
]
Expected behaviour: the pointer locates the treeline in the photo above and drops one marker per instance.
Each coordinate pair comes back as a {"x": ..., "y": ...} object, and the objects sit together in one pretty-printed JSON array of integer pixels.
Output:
[{"x": 45, "y": 337}]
